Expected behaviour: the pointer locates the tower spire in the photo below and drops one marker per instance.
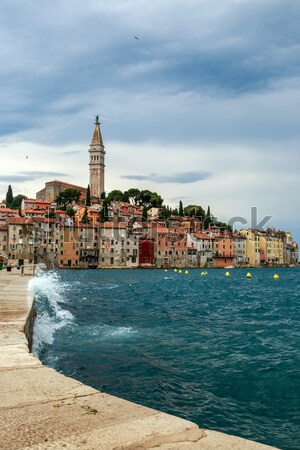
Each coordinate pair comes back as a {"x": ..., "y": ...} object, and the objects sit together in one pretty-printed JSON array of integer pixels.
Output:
[
  {"x": 97, "y": 166},
  {"x": 97, "y": 137}
]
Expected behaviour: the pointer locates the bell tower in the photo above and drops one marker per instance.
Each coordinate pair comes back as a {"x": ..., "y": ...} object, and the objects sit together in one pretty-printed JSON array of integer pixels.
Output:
[{"x": 97, "y": 167}]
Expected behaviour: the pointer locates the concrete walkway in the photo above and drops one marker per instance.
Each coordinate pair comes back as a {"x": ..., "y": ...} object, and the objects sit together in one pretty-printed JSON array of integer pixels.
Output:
[{"x": 42, "y": 409}]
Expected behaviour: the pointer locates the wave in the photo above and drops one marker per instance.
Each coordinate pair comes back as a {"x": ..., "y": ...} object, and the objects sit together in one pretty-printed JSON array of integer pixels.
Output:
[{"x": 49, "y": 293}]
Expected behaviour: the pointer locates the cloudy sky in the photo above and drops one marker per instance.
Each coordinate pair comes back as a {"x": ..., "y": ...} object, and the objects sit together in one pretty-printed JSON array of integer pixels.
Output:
[{"x": 203, "y": 106}]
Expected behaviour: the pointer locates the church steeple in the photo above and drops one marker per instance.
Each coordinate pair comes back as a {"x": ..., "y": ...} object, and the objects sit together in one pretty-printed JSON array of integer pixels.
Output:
[
  {"x": 97, "y": 137},
  {"x": 97, "y": 166}
]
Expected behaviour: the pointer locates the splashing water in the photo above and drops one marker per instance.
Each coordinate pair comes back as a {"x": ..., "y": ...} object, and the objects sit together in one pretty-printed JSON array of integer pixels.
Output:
[{"x": 48, "y": 291}]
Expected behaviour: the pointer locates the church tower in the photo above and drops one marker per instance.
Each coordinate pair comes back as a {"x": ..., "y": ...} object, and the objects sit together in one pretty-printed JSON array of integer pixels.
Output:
[{"x": 97, "y": 167}]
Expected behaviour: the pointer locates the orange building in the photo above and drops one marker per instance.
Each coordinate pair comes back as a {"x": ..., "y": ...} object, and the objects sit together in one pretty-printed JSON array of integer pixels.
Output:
[{"x": 224, "y": 251}]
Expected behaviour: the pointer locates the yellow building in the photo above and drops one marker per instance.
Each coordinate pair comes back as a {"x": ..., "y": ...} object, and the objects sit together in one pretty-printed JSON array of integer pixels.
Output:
[
  {"x": 274, "y": 247},
  {"x": 264, "y": 247},
  {"x": 252, "y": 246}
]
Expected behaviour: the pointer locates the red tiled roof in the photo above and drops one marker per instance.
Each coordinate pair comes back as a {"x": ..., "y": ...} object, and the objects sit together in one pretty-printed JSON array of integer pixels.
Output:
[
  {"x": 64, "y": 183},
  {"x": 113, "y": 225},
  {"x": 20, "y": 221},
  {"x": 8, "y": 210}
]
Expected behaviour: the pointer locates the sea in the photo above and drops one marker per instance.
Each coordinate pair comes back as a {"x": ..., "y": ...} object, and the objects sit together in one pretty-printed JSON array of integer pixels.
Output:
[{"x": 221, "y": 351}]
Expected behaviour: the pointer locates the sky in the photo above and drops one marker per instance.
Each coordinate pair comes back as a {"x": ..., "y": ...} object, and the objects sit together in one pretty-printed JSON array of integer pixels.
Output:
[{"x": 198, "y": 100}]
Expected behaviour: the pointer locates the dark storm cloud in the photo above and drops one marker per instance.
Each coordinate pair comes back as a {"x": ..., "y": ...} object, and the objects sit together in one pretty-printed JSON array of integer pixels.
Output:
[
  {"x": 215, "y": 48},
  {"x": 179, "y": 178}
]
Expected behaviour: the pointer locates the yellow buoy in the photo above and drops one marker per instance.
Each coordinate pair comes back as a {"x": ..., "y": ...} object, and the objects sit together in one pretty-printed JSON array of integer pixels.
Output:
[
  {"x": 175, "y": 270},
  {"x": 166, "y": 270},
  {"x": 248, "y": 275},
  {"x": 203, "y": 273},
  {"x": 180, "y": 271},
  {"x": 276, "y": 276},
  {"x": 186, "y": 272},
  {"x": 227, "y": 274}
]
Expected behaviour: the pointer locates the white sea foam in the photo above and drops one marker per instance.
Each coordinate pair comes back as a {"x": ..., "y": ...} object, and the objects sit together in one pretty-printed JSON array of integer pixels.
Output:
[
  {"x": 108, "y": 286},
  {"x": 48, "y": 291},
  {"x": 118, "y": 331}
]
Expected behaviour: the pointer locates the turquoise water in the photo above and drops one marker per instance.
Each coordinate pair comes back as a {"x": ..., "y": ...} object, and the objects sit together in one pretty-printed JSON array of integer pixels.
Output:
[{"x": 220, "y": 351}]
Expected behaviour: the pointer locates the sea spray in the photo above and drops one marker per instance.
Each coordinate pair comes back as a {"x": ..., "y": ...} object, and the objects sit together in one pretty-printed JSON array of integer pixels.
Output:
[{"x": 49, "y": 293}]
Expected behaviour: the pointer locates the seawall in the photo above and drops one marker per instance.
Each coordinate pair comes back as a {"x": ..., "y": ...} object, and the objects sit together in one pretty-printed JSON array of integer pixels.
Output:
[{"x": 42, "y": 409}]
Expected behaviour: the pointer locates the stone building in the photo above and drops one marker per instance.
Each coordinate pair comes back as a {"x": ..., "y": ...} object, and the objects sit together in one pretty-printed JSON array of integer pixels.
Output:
[
  {"x": 97, "y": 167},
  {"x": 3, "y": 243},
  {"x": 200, "y": 249},
  {"x": 20, "y": 248},
  {"x": 118, "y": 247},
  {"x": 46, "y": 238},
  {"x": 53, "y": 188},
  {"x": 240, "y": 250}
]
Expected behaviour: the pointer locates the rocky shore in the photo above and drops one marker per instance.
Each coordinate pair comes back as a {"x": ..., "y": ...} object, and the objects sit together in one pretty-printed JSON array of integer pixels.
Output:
[{"x": 42, "y": 409}]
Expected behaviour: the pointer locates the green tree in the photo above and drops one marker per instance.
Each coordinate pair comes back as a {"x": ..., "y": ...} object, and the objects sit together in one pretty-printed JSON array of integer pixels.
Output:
[
  {"x": 223, "y": 225},
  {"x": 208, "y": 218},
  {"x": 17, "y": 201},
  {"x": 9, "y": 197},
  {"x": 125, "y": 197},
  {"x": 103, "y": 196},
  {"x": 70, "y": 211},
  {"x": 145, "y": 214},
  {"x": 195, "y": 211},
  {"x": 180, "y": 209},
  {"x": 165, "y": 213},
  {"x": 85, "y": 217},
  {"x": 68, "y": 196},
  {"x": 145, "y": 197},
  {"x": 104, "y": 212},
  {"x": 51, "y": 215},
  {"x": 133, "y": 196},
  {"x": 156, "y": 201},
  {"x": 148, "y": 198},
  {"x": 115, "y": 196},
  {"x": 88, "y": 196}
]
